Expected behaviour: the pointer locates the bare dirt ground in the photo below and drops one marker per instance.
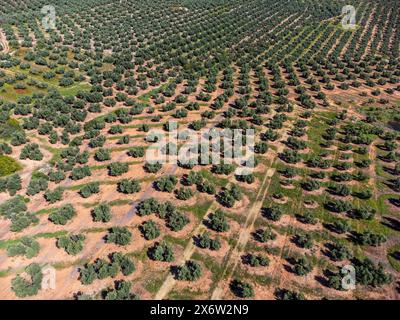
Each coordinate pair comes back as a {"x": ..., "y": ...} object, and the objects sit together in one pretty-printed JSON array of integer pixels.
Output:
[
  {"x": 124, "y": 215},
  {"x": 248, "y": 227}
]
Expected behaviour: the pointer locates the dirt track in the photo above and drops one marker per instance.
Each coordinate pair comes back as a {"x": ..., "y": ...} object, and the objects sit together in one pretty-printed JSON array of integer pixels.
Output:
[
  {"x": 245, "y": 232},
  {"x": 4, "y": 42}
]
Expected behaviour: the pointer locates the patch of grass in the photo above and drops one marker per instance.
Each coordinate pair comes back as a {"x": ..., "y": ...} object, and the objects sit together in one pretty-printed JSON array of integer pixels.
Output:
[
  {"x": 114, "y": 203},
  {"x": 262, "y": 280},
  {"x": 63, "y": 265},
  {"x": 146, "y": 97},
  {"x": 8, "y": 166},
  {"x": 182, "y": 242},
  {"x": 54, "y": 151},
  {"x": 185, "y": 294},
  {"x": 215, "y": 180},
  {"x": 104, "y": 166},
  {"x": 94, "y": 230},
  {"x": 48, "y": 235},
  {"x": 199, "y": 210},
  {"x": 154, "y": 284},
  {"x": 131, "y": 137},
  {"x": 73, "y": 90},
  {"x": 5, "y": 273},
  {"x": 393, "y": 255},
  {"x": 210, "y": 264},
  {"x": 382, "y": 206},
  {"x": 120, "y": 202},
  {"x": 139, "y": 255},
  {"x": 9, "y": 127},
  {"x": 240, "y": 219},
  {"x": 4, "y": 244}
]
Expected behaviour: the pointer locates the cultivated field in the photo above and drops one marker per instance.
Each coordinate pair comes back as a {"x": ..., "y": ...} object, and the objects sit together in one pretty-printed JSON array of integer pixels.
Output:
[{"x": 84, "y": 214}]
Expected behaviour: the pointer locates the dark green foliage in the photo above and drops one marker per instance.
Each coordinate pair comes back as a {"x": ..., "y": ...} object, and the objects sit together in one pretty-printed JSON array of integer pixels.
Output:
[
  {"x": 255, "y": 260},
  {"x": 190, "y": 271},
  {"x": 90, "y": 189},
  {"x": 339, "y": 190},
  {"x": 72, "y": 244},
  {"x": 117, "y": 168},
  {"x": 296, "y": 144},
  {"x": 161, "y": 252},
  {"x": 261, "y": 148},
  {"x": 248, "y": 178},
  {"x": 101, "y": 269},
  {"x": 32, "y": 152},
  {"x": 52, "y": 196},
  {"x": 147, "y": 207},
  {"x": 304, "y": 241},
  {"x": 272, "y": 213},
  {"x": 192, "y": 178},
  {"x": 63, "y": 215},
  {"x": 336, "y": 205},
  {"x": 56, "y": 176},
  {"x": 27, "y": 247},
  {"x": 150, "y": 230},
  {"x": 308, "y": 218},
  {"x": 341, "y": 226},
  {"x": 97, "y": 141},
  {"x": 5, "y": 148},
  {"x": 119, "y": 235},
  {"x": 24, "y": 288},
  {"x": 126, "y": 264},
  {"x": 206, "y": 187},
  {"x": 204, "y": 241},
  {"x": 284, "y": 294},
  {"x": 18, "y": 138},
  {"x": 223, "y": 168},
  {"x": 136, "y": 152},
  {"x": 102, "y": 213},
  {"x": 242, "y": 289},
  {"x": 15, "y": 210},
  {"x": 311, "y": 185},
  {"x": 335, "y": 281},
  {"x": 264, "y": 235},
  {"x": 128, "y": 186},
  {"x": 37, "y": 185},
  {"x": 270, "y": 135},
  {"x": 123, "y": 140},
  {"x": 197, "y": 125},
  {"x": 152, "y": 167},
  {"x": 363, "y": 194},
  {"x": 290, "y": 156},
  {"x": 11, "y": 184},
  {"x": 166, "y": 183},
  {"x": 13, "y": 206},
  {"x": 117, "y": 129},
  {"x": 370, "y": 275},
  {"x": 218, "y": 222},
  {"x": 371, "y": 239},
  {"x": 302, "y": 266},
  {"x": 364, "y": 213},
  {"x": 176, "y": 221},
  {"x": 80, "y": 173},
  {"x": 339, "y": 252},
  {"x": 180, "y": 113},
  {"x": 102, "y": 155},
  {"x": 229, "y": 196},
  {"x": 184, "y": 193},
  {"x": 122, "y": 291},
  {"x": 22, "y": 220}
]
